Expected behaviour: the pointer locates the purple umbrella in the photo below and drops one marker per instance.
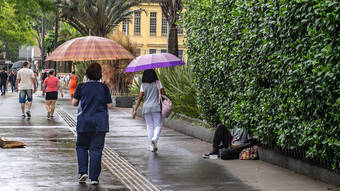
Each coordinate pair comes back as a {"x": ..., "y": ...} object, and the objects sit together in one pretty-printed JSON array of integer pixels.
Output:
[{"x": 150, "y": 61}]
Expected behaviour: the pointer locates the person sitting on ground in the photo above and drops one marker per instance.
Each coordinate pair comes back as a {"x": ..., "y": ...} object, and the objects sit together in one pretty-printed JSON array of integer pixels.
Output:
[{"x": 238, "y": 139}]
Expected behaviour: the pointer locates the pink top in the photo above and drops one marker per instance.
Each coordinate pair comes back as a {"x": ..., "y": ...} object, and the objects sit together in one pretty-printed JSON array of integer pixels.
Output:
[{"x": 51, "y": 83}]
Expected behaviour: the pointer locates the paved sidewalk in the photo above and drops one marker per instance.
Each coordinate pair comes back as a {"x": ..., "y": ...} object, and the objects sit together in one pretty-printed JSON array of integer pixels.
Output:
[
  {"x": 49, "y": 161},
  {"x": 178, "y": 164}
]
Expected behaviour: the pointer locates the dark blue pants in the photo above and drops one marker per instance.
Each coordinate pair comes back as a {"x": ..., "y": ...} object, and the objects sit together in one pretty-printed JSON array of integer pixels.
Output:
[
  {"x": 3, "y": 88},
  {"x": 93, "y": 143},
  {"x": 13, "y": 86}
]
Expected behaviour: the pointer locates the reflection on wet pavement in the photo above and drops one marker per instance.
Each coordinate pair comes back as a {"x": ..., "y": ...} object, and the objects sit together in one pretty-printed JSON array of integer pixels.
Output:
[
  {"x": 174, "y": 166},
  {"x": 49, "y": 161}
]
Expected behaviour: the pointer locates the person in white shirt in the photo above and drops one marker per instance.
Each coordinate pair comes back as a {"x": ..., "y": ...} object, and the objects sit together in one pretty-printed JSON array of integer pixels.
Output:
[{"x": 24, "y": 83}]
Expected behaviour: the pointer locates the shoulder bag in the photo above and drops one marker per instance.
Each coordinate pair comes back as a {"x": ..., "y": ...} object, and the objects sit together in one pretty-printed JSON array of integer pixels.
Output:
[{"x": 166, "y": 104}]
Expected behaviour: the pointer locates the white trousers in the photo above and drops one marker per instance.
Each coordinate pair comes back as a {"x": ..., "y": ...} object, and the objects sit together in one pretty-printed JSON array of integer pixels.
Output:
[{"x": 154, "y": 125}]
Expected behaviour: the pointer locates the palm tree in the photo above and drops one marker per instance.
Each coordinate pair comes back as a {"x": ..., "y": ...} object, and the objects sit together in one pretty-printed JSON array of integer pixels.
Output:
[
  {"x": 67, "y": 32},
  {"x": 97, "y": 17},
  {"x": 171, "y": 9}
]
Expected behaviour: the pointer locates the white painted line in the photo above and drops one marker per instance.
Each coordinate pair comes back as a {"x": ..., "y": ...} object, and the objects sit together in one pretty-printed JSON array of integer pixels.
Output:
[
  {"x": 117, "y": 165},
  {"x": 31, "y": 127}
]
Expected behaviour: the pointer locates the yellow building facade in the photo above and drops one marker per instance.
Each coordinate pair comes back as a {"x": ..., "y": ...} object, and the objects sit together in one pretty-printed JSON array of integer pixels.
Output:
[{"x": 149, "y": 30}]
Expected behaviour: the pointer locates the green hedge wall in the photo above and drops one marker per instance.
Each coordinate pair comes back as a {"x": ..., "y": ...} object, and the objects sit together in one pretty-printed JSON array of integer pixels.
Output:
[{"x": 272, "y": 66}]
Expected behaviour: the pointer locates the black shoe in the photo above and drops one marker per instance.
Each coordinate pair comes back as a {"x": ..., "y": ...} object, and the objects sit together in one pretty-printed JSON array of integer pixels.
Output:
[
  {"x": 23, "y": 116},
  {"x": 28, "y": 113}
]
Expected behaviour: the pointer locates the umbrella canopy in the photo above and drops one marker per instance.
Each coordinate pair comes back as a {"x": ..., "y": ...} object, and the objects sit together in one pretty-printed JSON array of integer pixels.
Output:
[
  {"x": 150, "y": 61},
  {"x": 89, "y": 48},
  {"x": 19, "y": 64}
]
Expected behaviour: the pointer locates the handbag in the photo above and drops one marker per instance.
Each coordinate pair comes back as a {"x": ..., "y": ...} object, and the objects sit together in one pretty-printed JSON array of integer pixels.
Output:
[
  {"x": 249, "y": 153},
  {"x": 166, "y": 104}
]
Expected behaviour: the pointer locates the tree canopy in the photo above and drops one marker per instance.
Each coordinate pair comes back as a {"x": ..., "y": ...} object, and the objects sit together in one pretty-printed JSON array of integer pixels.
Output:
[
  {"x": 98, "y": 17},
  {"x": 17, "y": 19}
]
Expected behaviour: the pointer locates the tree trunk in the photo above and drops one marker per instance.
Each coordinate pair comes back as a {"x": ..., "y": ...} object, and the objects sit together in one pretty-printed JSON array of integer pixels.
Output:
[
  {"x": 56, "y": 29},
  {"x": 173, "y": 40},
  {"x": 8, "y": 56}
]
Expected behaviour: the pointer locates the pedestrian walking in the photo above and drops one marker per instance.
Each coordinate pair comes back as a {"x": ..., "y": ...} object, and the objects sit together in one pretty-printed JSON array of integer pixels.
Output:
[
  {"x": 24, "y": 83},
  {"x": 51, "y": 86},
  {"x": 151, "y": 107},
  {"x": 73, "y": 84},
  {"x": 92, "y": 122},
  {"x": 3, "y": 81},
  {"x": 43, "y": 77},
  {"x": 12, "y": 78}
]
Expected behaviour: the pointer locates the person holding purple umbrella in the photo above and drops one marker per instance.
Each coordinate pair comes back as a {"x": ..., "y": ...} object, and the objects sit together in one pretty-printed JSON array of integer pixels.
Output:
[{"x": 151, "y": 107}]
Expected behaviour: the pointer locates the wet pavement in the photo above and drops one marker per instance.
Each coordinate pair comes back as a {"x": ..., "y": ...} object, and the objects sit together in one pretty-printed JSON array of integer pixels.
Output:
[
  {"x": 178, "y": 165},
  {"x": 174, "y": 166},
  {"x": 49, "y": 160}
]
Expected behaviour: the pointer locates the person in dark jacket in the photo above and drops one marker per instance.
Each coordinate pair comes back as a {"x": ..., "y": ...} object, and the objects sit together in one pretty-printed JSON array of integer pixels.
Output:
[
  {"x": 92, "y": 122},
  {"x": 43, "y": 77},
  {"x": 12, "y": 78},
  {"x": 3, "y": 81},
  {"x": 237, "y": 139}
]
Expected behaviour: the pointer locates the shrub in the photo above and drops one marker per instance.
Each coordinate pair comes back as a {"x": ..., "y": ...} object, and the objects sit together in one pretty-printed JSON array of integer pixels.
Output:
[{"x": 271, "y": 66}]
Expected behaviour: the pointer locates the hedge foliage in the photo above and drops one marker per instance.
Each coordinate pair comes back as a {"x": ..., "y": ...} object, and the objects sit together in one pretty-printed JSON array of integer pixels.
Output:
[{"x": 271, "y": 66}]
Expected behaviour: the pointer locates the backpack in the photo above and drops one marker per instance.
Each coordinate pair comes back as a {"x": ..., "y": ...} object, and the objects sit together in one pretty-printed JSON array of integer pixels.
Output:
[
  {"x": 229, "y": 153},
  {"x": 249, "y": 153},
  {"x": 166, "y": 104}
]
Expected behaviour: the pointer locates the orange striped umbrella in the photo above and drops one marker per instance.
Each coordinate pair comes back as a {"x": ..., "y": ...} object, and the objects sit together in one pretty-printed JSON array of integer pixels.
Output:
[{"x": 89, "y": 48}]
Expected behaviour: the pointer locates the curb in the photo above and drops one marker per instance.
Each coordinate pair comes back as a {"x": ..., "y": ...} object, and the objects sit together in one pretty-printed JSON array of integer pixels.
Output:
[
  {"x": 299, "y": 166},
  {"x": 276, "y": 158}
]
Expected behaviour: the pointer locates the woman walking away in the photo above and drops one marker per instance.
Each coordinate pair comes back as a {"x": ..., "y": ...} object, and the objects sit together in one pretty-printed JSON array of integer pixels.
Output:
[
  {"x": 92, "y": 122},
  {"x": 51, "y": 85},
  {"x": 73, "y": 84},
  {"x": 151, "y": 107}
]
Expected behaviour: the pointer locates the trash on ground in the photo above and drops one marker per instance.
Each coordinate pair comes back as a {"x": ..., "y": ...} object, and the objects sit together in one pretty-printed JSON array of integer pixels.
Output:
[{"x": 6, "y": 144}]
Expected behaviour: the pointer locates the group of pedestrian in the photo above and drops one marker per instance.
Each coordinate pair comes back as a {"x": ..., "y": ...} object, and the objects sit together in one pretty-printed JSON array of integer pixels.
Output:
[
  {"x": 94, "y": 99},
  {"x": 6, "y": 79}
]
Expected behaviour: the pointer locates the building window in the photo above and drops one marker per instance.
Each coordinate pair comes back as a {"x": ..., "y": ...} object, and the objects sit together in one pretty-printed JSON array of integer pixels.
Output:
[
  {"x": 153, "y": 23},
  {"x": 164, "y": 25},
  {"x": 126, "y": 27},
  {"x": 164, "y": 51},
  {"x": 152, "y": 51},
  {"x": 137, "y": 24},
  {"x": 180, "y": 54}
]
